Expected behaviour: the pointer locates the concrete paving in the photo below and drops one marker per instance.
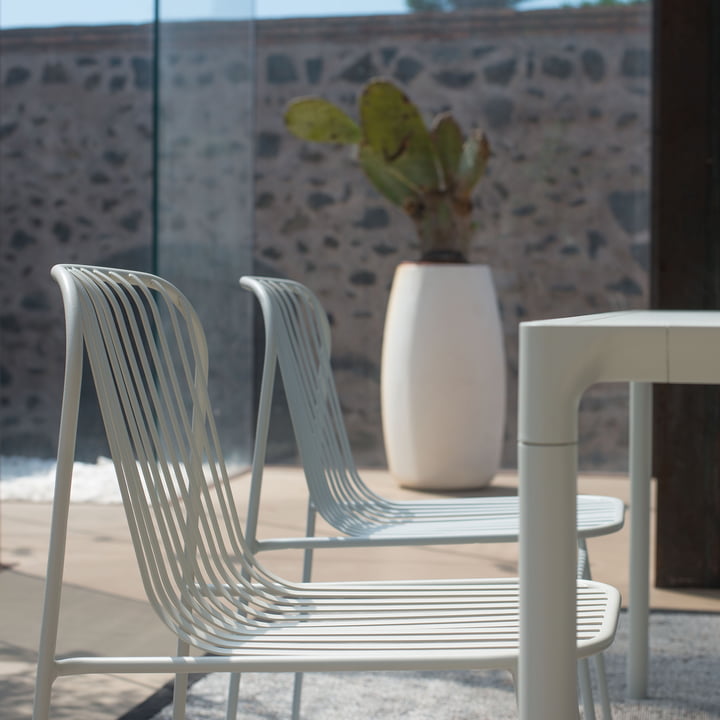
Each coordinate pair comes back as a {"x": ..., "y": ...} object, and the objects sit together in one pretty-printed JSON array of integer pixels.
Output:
[{"x": 104, "y": 610}]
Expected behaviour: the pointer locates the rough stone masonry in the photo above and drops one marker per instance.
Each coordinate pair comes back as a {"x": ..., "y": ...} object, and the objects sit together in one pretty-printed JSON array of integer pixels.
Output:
[{"x": 562, "y": 215}]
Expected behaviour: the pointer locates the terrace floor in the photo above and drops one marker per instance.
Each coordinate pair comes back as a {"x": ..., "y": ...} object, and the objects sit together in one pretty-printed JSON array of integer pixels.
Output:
[{"x": 104, "y": 610}]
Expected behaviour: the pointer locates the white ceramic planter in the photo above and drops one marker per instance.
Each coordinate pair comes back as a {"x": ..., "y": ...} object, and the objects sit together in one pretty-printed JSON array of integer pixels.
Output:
[{"x": 443, "y": 377}]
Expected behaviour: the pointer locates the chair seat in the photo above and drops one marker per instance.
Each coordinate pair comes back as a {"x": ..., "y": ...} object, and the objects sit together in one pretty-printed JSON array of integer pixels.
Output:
[
  {"x": 444, "y": 522},
  {"x": 410, "y": 625},
  {"x": 416, "y": 623},
  {"x": 493, "y": 519}
]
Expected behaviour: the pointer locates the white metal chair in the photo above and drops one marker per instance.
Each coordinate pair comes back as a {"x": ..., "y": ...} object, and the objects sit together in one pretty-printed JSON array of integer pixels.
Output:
[
  {"x": 149, "y": 363},
  {"x": 298, "y": 342}
]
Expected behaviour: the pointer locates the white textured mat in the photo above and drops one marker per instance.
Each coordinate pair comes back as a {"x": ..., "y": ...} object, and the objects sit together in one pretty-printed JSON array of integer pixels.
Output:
[
  {"x": 33, "y": 480},
  {"x": 685, "y": 683}
]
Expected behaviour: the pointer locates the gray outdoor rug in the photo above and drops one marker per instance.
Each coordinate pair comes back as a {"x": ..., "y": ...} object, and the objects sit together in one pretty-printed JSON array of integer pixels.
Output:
[{"x": 684, "y": 683}]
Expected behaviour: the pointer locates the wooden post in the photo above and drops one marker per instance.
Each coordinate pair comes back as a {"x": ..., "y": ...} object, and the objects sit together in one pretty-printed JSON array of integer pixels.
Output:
[{"x": 686, "y": 275}]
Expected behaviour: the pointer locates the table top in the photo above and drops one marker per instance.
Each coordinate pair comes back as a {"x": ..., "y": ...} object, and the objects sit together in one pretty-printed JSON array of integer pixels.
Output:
[
  {"x": 560, "y": 358},
  {"x": 637, "y": 319}
]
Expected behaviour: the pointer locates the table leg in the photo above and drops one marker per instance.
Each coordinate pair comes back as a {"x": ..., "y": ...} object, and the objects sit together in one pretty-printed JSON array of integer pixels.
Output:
[
  {"x": 640, "y": 475},
  {"x": 548, "y": 546}
]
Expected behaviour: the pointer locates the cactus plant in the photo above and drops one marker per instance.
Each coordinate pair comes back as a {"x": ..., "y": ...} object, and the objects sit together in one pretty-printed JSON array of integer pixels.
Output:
[{"x": 429, "y": 172}]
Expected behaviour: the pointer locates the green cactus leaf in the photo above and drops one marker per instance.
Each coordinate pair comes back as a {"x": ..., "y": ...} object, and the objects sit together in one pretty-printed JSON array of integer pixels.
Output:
[
  {"x": 430, "y": 174},
  {"x": 394, "y": 129},
  {"x": 318, "y": 120},
  {"x": 448, "y": 139},
  {"x": 386, "y": 178},
  {"x": 473, "y": 160}
]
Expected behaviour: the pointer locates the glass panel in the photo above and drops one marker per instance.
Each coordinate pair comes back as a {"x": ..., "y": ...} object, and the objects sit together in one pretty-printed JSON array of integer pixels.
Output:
[
  {"x": 78, "y": 177},
  {"x": 205, "y": 191},
  {"x": 76, "y": 186}
]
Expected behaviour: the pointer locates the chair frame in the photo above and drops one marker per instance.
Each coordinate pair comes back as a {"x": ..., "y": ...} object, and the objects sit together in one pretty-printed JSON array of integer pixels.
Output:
[
  {"x": 200, "y": 576},
  {"x": 336, "y": 489},
  {"x": 298, "y": 346}
]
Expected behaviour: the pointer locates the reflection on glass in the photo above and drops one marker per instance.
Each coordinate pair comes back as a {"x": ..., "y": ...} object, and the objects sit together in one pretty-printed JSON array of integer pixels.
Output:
[
  {"x": 76, "y": 187},
  {"x": 204, "y": 191}
]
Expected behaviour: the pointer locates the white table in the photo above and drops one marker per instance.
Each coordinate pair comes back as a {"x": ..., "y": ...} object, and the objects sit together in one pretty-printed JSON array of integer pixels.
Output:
[{"x": 559, "y": 360}]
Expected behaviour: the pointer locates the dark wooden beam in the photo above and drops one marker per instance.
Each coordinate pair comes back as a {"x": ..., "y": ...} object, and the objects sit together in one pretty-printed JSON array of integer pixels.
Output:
[{"x": 686, "y": 275}]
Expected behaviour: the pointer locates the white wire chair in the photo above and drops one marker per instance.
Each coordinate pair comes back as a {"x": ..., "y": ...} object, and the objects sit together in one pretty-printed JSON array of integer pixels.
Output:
[
  {"x": 298, "y": 341},
  {"x": 149, "y": 363}
]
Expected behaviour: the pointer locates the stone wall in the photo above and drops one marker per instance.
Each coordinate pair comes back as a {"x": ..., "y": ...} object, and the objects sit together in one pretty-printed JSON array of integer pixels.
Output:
[
  {"x": 76, "y": 186},
  {"x": 562, "y": 214}
]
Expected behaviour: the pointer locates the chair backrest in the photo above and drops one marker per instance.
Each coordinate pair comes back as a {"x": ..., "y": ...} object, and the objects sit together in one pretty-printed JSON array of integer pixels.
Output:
[
  {"x": 149, "y": 362},
  {"x": 298, "y": 341}
]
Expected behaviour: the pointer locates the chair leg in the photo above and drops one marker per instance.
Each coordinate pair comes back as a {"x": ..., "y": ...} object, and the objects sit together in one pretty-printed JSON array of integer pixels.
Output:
[
  {"x": 306, "y": 577},
  {"x": 297, "y": 696},
  {"x": 58, "y": 524},
  {"x": 309, "y": 532},
  {"x": 43, "y": 691},
  {"x": 180, "y": 686},
  {"x": 45, "y": 674},
  {"x": 585, "y": 574},
  {"x": 586, "y": 689},
  {"x": 603, "y": 687},
  {"x": 179, "y": 696},
  {"x": 233, "y": 696},
  {"x": 298, "y": 682}
]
